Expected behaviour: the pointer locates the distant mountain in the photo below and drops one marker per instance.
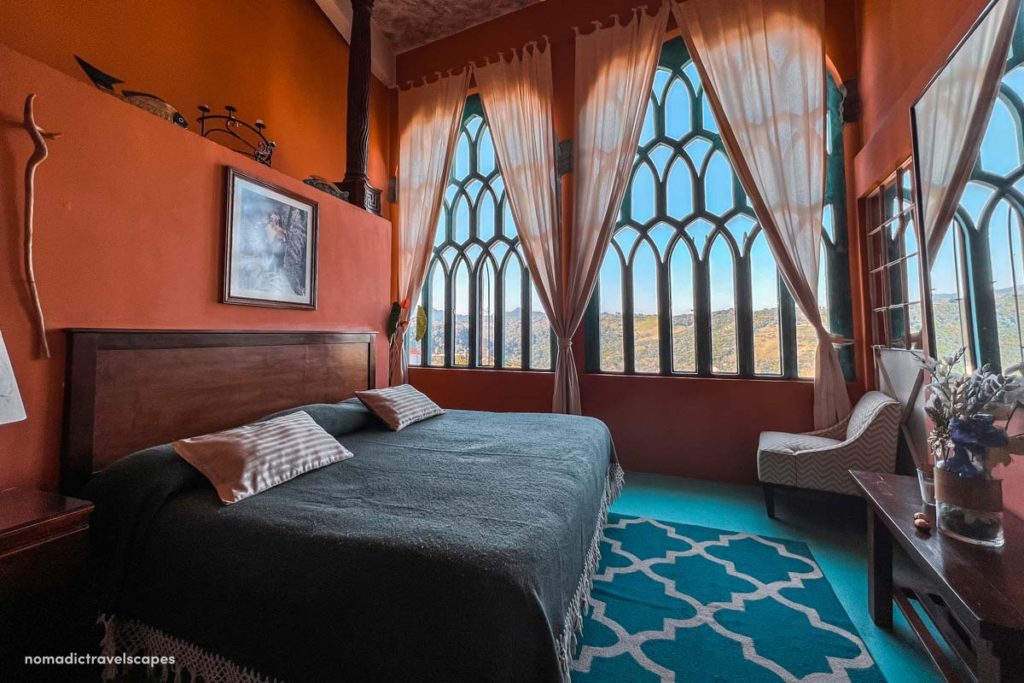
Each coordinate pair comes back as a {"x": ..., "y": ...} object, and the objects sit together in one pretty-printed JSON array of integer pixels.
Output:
[
  {"x": 540, "y": 336},
  {"x": 947, "y": 313},
  {"x": 767, "y": 347},
  {"x": 767, "y": 352},
  {"x": 767, "y": 343}
]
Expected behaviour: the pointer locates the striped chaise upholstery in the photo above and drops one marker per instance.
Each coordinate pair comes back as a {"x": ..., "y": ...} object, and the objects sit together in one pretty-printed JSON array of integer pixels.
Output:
[{"x": 821, "y": 460}]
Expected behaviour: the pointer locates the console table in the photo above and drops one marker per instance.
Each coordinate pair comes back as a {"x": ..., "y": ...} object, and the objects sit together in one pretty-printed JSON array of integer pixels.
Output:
[{"x": 974, "y": 596}]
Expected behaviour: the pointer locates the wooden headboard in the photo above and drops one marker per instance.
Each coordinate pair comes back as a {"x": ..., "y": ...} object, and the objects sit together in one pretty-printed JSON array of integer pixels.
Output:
[{"x": 131, "y": 389}]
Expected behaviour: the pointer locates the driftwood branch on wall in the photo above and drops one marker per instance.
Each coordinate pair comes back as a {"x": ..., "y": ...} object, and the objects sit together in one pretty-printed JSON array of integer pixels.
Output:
[{"x": 39, "y": 154}]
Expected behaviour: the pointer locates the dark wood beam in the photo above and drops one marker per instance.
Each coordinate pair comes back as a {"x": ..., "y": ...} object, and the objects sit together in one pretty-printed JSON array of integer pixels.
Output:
[{"x": 356, "y": 183}]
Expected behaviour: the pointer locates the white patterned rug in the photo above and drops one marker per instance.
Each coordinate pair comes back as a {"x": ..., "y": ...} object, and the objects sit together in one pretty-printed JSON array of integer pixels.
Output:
[{"x": 674, "y": 602}]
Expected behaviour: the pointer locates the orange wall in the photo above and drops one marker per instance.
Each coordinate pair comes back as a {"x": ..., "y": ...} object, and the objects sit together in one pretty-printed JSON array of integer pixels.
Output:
[
  {"x": 129, "y": 230},
  {"x": 902, "y": 45},
  {"x": 894, "y": 70},
  {"x": 278, "y": 60},
  {"x": 684, "y": 426}
]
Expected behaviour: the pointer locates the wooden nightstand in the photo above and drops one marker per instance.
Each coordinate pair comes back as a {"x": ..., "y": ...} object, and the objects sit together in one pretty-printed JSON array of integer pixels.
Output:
[{"x": 44, "y": 604}]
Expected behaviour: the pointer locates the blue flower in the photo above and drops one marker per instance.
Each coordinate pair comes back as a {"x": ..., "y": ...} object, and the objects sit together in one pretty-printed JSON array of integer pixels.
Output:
[
  {"x": 960, "y": 463},
  {"x": 977, "y": 434},
  {"x": 973, "y": 435}
]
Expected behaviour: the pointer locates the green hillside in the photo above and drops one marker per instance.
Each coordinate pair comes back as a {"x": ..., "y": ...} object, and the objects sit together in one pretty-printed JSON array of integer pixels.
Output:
[
  {"x": 767, "y": 358},
  {"x": 767, "y": 353},
  {"x": 946, "y": 310}
]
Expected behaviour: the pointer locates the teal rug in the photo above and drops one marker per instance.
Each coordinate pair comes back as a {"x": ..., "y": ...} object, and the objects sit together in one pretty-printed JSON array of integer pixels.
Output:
[{"x": 673, "y": 602}]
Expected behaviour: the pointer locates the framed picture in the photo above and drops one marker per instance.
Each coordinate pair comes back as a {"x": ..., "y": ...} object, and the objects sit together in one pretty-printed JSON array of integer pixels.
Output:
[{"x": 270, "y": 245}]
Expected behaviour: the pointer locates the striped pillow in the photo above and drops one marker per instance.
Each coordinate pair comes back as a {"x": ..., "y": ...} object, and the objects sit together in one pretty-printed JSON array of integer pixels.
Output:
[
  {"x": 398, "y": 407},
  {"x": 243, "y": 461}
]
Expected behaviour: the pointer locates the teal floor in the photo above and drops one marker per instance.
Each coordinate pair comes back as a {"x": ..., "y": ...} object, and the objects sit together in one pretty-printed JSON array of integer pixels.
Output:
[{"x": 833, "y": 527}]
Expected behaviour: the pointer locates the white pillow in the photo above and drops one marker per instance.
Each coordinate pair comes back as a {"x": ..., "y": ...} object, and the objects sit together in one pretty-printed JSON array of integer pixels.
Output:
[
  {"x": 398, "y": 407},
  {"x": 243, "y": 461}
]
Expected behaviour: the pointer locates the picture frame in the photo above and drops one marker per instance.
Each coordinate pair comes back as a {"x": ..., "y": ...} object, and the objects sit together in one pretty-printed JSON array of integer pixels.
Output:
[{"x": 270, "y": 245}]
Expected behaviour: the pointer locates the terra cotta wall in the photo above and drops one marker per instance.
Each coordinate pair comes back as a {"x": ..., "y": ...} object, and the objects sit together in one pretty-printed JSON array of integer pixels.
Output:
[{"x": 128, "y": 235}]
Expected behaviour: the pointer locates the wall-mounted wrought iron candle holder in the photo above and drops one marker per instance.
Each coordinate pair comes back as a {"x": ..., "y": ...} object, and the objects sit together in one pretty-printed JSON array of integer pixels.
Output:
[{"x": 236, "y": 134}]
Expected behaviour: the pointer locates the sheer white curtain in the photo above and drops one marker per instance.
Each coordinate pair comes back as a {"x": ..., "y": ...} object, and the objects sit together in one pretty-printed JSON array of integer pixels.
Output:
[
  {"x": 950, "y": 118},
  {"x": 614, "y": 70},
  {"x": 516, "y": 95},
  {"x": 762, "y": 63},
  {"x": 429, "y": 117}
]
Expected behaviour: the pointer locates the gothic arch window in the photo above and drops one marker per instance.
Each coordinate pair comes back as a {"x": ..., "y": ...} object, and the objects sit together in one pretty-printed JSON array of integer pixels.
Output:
[
  {"x": 688, "y": 284},
  {"x": 482, "y": 311}
]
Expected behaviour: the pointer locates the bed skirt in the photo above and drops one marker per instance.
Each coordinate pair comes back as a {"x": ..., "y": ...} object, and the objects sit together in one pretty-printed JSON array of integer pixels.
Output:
[{"x": 133, "y": 637}]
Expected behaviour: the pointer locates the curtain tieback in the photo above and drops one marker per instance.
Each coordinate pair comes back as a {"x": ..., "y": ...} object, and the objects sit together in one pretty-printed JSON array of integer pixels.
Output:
[
  {"x": 836, "y": 339},
  {"x": 565, "y": 342}
]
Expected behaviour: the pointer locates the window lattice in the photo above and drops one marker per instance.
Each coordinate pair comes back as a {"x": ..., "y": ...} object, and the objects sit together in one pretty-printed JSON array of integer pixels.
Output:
[
  {"x": 482, "y": 310},
  {"x": 688, "y": 284}
]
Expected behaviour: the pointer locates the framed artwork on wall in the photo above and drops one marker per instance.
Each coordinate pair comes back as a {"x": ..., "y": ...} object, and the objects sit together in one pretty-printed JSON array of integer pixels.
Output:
[{"x": 270, "y": 245}]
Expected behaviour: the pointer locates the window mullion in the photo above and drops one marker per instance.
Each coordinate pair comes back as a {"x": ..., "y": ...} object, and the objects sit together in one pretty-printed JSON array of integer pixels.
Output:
[
  {"x": 984, "y": 319},
  {"x": 428, "y": 307},
  {"x": 592, "y": 330},
  {"x": 628, "y": 339},
  {"x": 526, "y": 324},
  {"x": 787, "y": 318},
  {"x": 664, "y": 315},
  {"x": 744, "y": 317},
  {"x": 449, "y": 320},
  {"x": 702, "y": 315},
  {"x": 472, "y": 341},
  {"x": 499, "y": 316}
]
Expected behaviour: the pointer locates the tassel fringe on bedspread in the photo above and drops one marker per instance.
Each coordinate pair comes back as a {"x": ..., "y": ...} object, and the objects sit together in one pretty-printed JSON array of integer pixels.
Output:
[
  {"x": 192, "y": 663},
  {"x": 578, "y": 606}
]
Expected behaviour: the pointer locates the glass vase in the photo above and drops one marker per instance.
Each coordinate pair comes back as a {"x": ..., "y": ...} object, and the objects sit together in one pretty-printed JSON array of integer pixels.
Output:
[
  {"x": 969, "y": 509},
  {"x": 926, "y": 482}
]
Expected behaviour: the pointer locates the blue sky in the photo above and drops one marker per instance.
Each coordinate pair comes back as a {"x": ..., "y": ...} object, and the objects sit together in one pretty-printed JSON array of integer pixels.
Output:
[
  {"x": 996, "y": 156},
  {"x": 1000, "y": 155},
  {"x": 718, "y": 186}
]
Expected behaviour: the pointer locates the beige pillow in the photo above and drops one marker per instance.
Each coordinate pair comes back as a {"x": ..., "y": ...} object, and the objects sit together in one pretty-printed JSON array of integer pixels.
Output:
[
  {"x": 400, "y": 406},
  {"x": 243, "y": 461}
]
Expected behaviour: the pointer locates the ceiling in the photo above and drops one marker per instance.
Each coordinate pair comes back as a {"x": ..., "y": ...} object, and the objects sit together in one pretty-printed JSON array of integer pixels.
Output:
[{"x": 408, "y": 24}]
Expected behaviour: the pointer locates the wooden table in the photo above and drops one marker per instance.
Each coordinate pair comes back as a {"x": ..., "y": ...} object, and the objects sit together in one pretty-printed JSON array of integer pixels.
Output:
[{"x": 973, "y": 595}]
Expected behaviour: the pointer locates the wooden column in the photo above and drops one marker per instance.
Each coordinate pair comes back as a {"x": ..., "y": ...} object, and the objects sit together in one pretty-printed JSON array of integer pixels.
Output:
[{"x": 356, "y": 184}]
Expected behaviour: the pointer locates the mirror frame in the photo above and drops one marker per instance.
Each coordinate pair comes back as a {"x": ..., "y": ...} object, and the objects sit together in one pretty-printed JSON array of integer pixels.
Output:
[{"x": 928, "y": 340}]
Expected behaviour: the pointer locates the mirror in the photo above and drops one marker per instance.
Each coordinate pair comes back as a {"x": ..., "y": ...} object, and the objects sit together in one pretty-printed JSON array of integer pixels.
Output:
[{"x": 969, "y": 193}]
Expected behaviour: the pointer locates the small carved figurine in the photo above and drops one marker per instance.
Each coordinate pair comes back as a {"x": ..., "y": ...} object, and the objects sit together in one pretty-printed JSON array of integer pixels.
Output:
[{"x": 151, "y": 103}]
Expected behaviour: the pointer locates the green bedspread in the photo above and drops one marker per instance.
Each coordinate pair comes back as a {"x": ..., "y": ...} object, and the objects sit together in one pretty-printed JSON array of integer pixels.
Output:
[{"x": 455, "y": 550}]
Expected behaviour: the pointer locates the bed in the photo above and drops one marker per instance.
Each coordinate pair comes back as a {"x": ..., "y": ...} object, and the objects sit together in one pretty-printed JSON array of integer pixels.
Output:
[{"x": 460, "y": 549}]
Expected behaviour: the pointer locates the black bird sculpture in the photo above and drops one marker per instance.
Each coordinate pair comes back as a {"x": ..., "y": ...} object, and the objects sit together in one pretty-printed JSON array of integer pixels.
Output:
[{"x": 150, "y": 103}]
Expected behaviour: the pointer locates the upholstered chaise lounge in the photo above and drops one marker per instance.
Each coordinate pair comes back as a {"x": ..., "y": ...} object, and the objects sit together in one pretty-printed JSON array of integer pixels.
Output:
[{"x": 821, "y": 460}]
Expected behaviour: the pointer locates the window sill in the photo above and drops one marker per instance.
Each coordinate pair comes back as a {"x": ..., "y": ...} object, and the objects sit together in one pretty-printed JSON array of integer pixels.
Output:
[
  {"x": 518, "y": 371},
  {"x": 680, "y": 375}
]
